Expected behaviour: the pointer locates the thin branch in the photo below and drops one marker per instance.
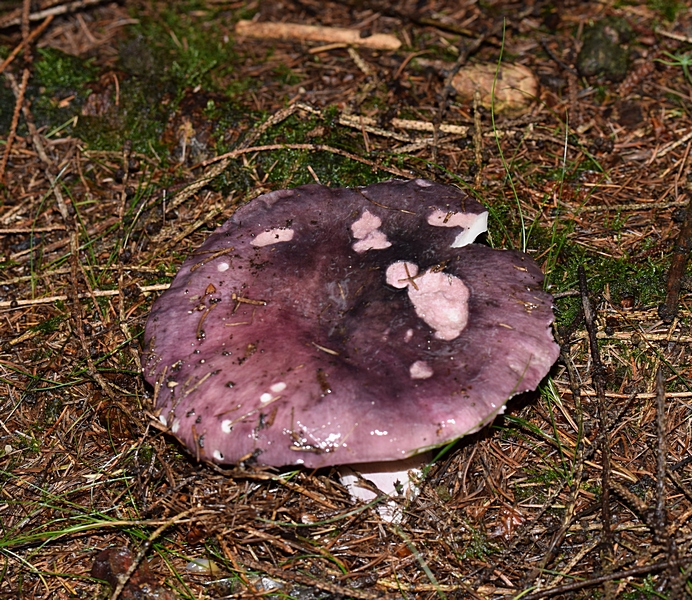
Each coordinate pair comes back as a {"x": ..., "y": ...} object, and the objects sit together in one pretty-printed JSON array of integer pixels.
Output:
[
  {"x": 145, "y": 289},
  {"x": 662, "y": 535},
  {"x": 15, "y": 121},
  {"x": 599, "y": 384},
  {"x": 309, "y": 148},
  {"x": 580, "y": 585},
  {"x": 15, "y": 17},
  {"x": 681, "y": 253}
]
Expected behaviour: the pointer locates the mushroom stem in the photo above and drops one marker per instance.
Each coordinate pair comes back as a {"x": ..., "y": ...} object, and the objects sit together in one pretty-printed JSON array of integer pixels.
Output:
[{"x": 395, "y": 478}]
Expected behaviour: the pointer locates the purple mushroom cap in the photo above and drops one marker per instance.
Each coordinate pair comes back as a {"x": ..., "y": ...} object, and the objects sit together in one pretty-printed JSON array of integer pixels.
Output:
[{"x": 327, "y": 326}]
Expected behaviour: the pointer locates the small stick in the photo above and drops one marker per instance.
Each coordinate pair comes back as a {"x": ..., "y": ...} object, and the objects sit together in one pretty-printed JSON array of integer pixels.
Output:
[
  {"x": 316, "y": 33},
  {"x": 15, "y": 121},
  {"x": 145, "y": 289},
  {"x": 669, "y": 309},
  {"x": 570, "y": 512},
  {"x": 672, "y": 146},
  {"x": 580, "y": 585},
  {"x": 599, "y": 384},
  {"x": 26, "y": 11},
  {"x": 15, "y": 17},
  {"x": 122, "y": 316},
  {"x": 660, "y": 513},
  {"x": 22, "y": 88},
  {"x": 661, "y": 533},
  {"x": 674, "y": 36},
  {"x": 309, "y": 148},
  {"x": 681, "y": 253},
  {"x": 477, "y": 140}
]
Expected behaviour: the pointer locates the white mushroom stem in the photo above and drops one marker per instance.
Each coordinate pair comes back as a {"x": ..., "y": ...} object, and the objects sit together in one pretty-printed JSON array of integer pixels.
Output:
[{"x": 397, "y": 478}]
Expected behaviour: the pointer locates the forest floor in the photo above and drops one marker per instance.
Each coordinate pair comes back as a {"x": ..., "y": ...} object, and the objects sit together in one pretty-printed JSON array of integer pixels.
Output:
[{"x": 113, "y": 116}]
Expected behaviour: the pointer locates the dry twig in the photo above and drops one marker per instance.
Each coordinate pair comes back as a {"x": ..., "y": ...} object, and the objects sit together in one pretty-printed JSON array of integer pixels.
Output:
[
  {"x": 597, "y": 371},
  {"x": 314, "y": 33},
  {"x": 52, "y": 9}
]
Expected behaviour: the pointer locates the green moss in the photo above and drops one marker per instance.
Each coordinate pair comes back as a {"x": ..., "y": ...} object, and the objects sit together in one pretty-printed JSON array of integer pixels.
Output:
[
  {"x": 545, "y": 476},
  {"x": 29, "y": 443},
  {"x": 640, "y": 278},
  {"x": 167, "y": 59},
  {"x": 59, "y": 87},
  {"x": 164, "y": 58},
  {"x": 478, "y": 548},
  {"x": 60, "y": 73},
  {"x": 181, "y": 49},
  {"x": 289, "y": 167},
  {"x": 6, "y": 264},
  {"x": 643, "y": 281},
  {"x": 228, "y": 117},
  {"x": 645, "y": 591},
  {"x": 49, "y": 325},
  {"x": 603, "y": 52},
  {"x": 286, "y": 75},
  {"x": 668, "y": 9},
  {"x": 443, "y": 493}
]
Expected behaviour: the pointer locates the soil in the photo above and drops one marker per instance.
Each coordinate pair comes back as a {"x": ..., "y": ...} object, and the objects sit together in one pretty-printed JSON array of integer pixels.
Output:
[{"x": 130, "y": 130}]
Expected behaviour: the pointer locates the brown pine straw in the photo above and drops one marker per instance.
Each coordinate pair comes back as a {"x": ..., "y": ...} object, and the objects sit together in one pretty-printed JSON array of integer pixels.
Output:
[
  {"x": 515, "y": 511},
  {"x": 580, "y": 585}
]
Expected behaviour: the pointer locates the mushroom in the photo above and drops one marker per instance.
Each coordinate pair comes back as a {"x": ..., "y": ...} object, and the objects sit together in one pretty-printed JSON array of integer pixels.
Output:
[{"x": 323, "y": 327}]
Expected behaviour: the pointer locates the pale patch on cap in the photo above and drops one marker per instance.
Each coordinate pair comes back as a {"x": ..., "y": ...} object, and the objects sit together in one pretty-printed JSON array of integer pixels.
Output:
[
  {"x": 273, "y": 236},
  {"x": 420, "y": 370},
  {"x": 472, "y": 223},
  {"x": 278, "y": 387},
  {"x": 366, "y": 230},
  {"x": 401, "y": 273},
  {"x": 440, "y": 299}
]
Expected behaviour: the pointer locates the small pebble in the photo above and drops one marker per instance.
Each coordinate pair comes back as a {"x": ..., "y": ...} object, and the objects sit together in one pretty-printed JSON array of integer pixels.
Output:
[{"x": 203, "y": 566}]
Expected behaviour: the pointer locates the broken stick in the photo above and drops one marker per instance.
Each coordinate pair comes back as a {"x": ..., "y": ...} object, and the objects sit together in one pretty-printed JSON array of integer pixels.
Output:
[
  {"x": 316, "y": 33},
  {"x": 681, "y": 253}
]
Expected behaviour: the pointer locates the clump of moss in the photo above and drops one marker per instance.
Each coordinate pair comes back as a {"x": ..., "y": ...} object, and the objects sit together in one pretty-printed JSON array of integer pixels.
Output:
[
  {"x": 60, "y": 85},
  {"x": 603, "y": 51},
  {"x": 668, "y": 9},
  {"x": 641, "y": 282},
  {"x": 63, "y": 73},
  {"x": 165, "y": 58}
]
